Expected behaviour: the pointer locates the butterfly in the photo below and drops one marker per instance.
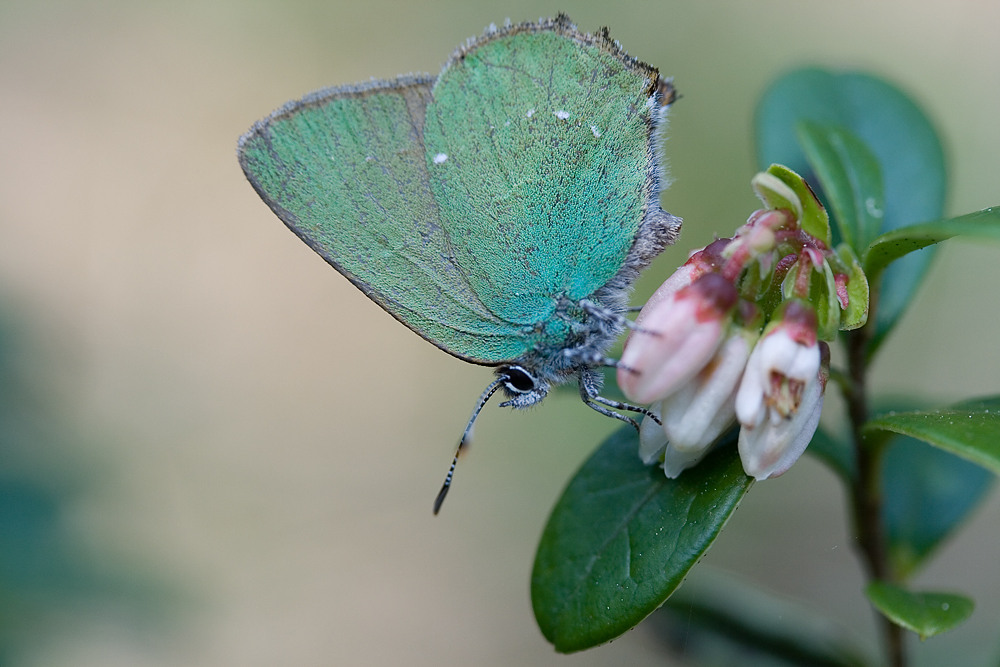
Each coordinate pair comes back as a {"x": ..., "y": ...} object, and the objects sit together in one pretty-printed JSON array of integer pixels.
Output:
[{"x": 501, "y": 210}]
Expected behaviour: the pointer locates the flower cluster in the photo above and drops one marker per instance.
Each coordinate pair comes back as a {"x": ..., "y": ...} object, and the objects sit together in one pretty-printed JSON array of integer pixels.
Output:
[{"x": 737, "y": 334}]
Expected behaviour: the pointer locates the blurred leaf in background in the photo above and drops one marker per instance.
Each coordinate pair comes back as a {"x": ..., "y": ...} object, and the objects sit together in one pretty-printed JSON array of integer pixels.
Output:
[{"x": 51, "y": 576}]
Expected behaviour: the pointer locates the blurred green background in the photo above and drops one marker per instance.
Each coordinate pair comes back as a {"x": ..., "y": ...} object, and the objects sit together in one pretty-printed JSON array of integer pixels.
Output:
[{"x": 253, "y": 438}]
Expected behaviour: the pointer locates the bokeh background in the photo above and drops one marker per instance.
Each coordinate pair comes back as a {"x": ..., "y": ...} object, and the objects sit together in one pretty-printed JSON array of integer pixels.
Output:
[{"x": 217, "y": 452}]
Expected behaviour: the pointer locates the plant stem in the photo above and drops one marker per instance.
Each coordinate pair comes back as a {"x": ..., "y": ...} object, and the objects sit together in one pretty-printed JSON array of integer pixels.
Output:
[{"x": 866, "y": 492}]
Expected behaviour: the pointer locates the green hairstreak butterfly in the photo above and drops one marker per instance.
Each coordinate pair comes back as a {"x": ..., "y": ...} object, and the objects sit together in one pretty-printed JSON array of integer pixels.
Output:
[{"x": 501, "y": 210}]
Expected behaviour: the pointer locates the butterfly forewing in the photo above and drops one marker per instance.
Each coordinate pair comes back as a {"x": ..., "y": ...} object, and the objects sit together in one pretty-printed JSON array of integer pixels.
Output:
[{"x": 345, "y": 169}]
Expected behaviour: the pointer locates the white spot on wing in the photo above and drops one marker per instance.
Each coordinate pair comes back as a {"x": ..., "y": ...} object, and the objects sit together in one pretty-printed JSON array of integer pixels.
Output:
[
  {"x": 440, "y": 158},
  {"x": 562, "y": 115}
]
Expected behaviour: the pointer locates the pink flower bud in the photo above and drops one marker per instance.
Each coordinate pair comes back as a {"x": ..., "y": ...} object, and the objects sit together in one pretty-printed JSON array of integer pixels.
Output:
[
  {"x": 678, "y": 280},
  {"x": 781, "y": 395},
  {"x": 779, "y": 366},
  {"x": 815, "y": 256},
  {"x": 760, "y": 230},
  {"x": 703, "y": 261},
  {"x": 696, "y": 415},
  {"x": 771, "y": 448},
  {"x": 677, "y": 336}
]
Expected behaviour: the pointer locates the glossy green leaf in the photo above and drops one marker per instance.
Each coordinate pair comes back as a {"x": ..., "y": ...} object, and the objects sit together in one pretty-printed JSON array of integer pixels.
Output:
[
  {"x": 928, "y": 493},
  {"x": 889, "y": 247},
  {"x": 969, "y": 429},
  {"x": 622, "y": 538},
  {"x": 851, "y": 178},
  {"x": 725, "y": 620},
  {"x": 898, "y": 134},
  {"x": 927, "y": 614}
]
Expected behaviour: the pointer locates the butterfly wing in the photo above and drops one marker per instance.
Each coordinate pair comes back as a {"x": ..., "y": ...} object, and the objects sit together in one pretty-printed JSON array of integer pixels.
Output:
[
  {"x": 546, "y": 163},
  {"x": 346, "y": 170},
  {"x": 470, "y": 206}
]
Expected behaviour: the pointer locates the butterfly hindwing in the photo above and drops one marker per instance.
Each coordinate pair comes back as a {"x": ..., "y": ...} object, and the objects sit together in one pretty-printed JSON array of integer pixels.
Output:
[{"x": 542, "y": 139}]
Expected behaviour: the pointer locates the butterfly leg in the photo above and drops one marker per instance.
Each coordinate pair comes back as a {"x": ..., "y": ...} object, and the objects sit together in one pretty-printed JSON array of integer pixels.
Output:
[
  {"x": 594, "y": 358},
  {"x": 618, "y": 405},
  {"x": 603, "y": 314},
  {"x": 593, "y": 405},
  {"x": 589, "y": 387},
  {"x": 607, "y": 315}
]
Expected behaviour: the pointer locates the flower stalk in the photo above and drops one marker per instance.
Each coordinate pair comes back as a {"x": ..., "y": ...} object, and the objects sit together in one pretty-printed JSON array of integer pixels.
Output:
[{"x": 866, "y": 492}]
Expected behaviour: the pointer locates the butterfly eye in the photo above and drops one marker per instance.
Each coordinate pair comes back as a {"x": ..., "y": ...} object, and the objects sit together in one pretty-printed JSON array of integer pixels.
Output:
[{"x": 518, "y": 380}]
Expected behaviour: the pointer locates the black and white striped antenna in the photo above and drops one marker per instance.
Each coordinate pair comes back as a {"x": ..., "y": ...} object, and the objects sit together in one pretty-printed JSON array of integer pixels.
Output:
[{"x": 466, "y": 439}]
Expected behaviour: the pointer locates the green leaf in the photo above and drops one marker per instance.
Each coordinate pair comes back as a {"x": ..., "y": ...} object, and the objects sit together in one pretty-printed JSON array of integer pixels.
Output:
[
  {"x": 622, "y": 538},
  {"x": 47, "y": 565},
  {"x": 969, "y": 429},
  {"x": 889, "y": 247},
  {"x": 927, "y": 614},
  {"x": 851, "y": 178},
  {"x": 896, "y": 131},
  {"x": 722, "y": 617},
  {"x": 928, "y": 493}
]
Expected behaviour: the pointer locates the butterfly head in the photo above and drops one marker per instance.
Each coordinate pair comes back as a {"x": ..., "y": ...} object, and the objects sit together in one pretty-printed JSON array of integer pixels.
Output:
[{"x": 522, "y": 387}]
